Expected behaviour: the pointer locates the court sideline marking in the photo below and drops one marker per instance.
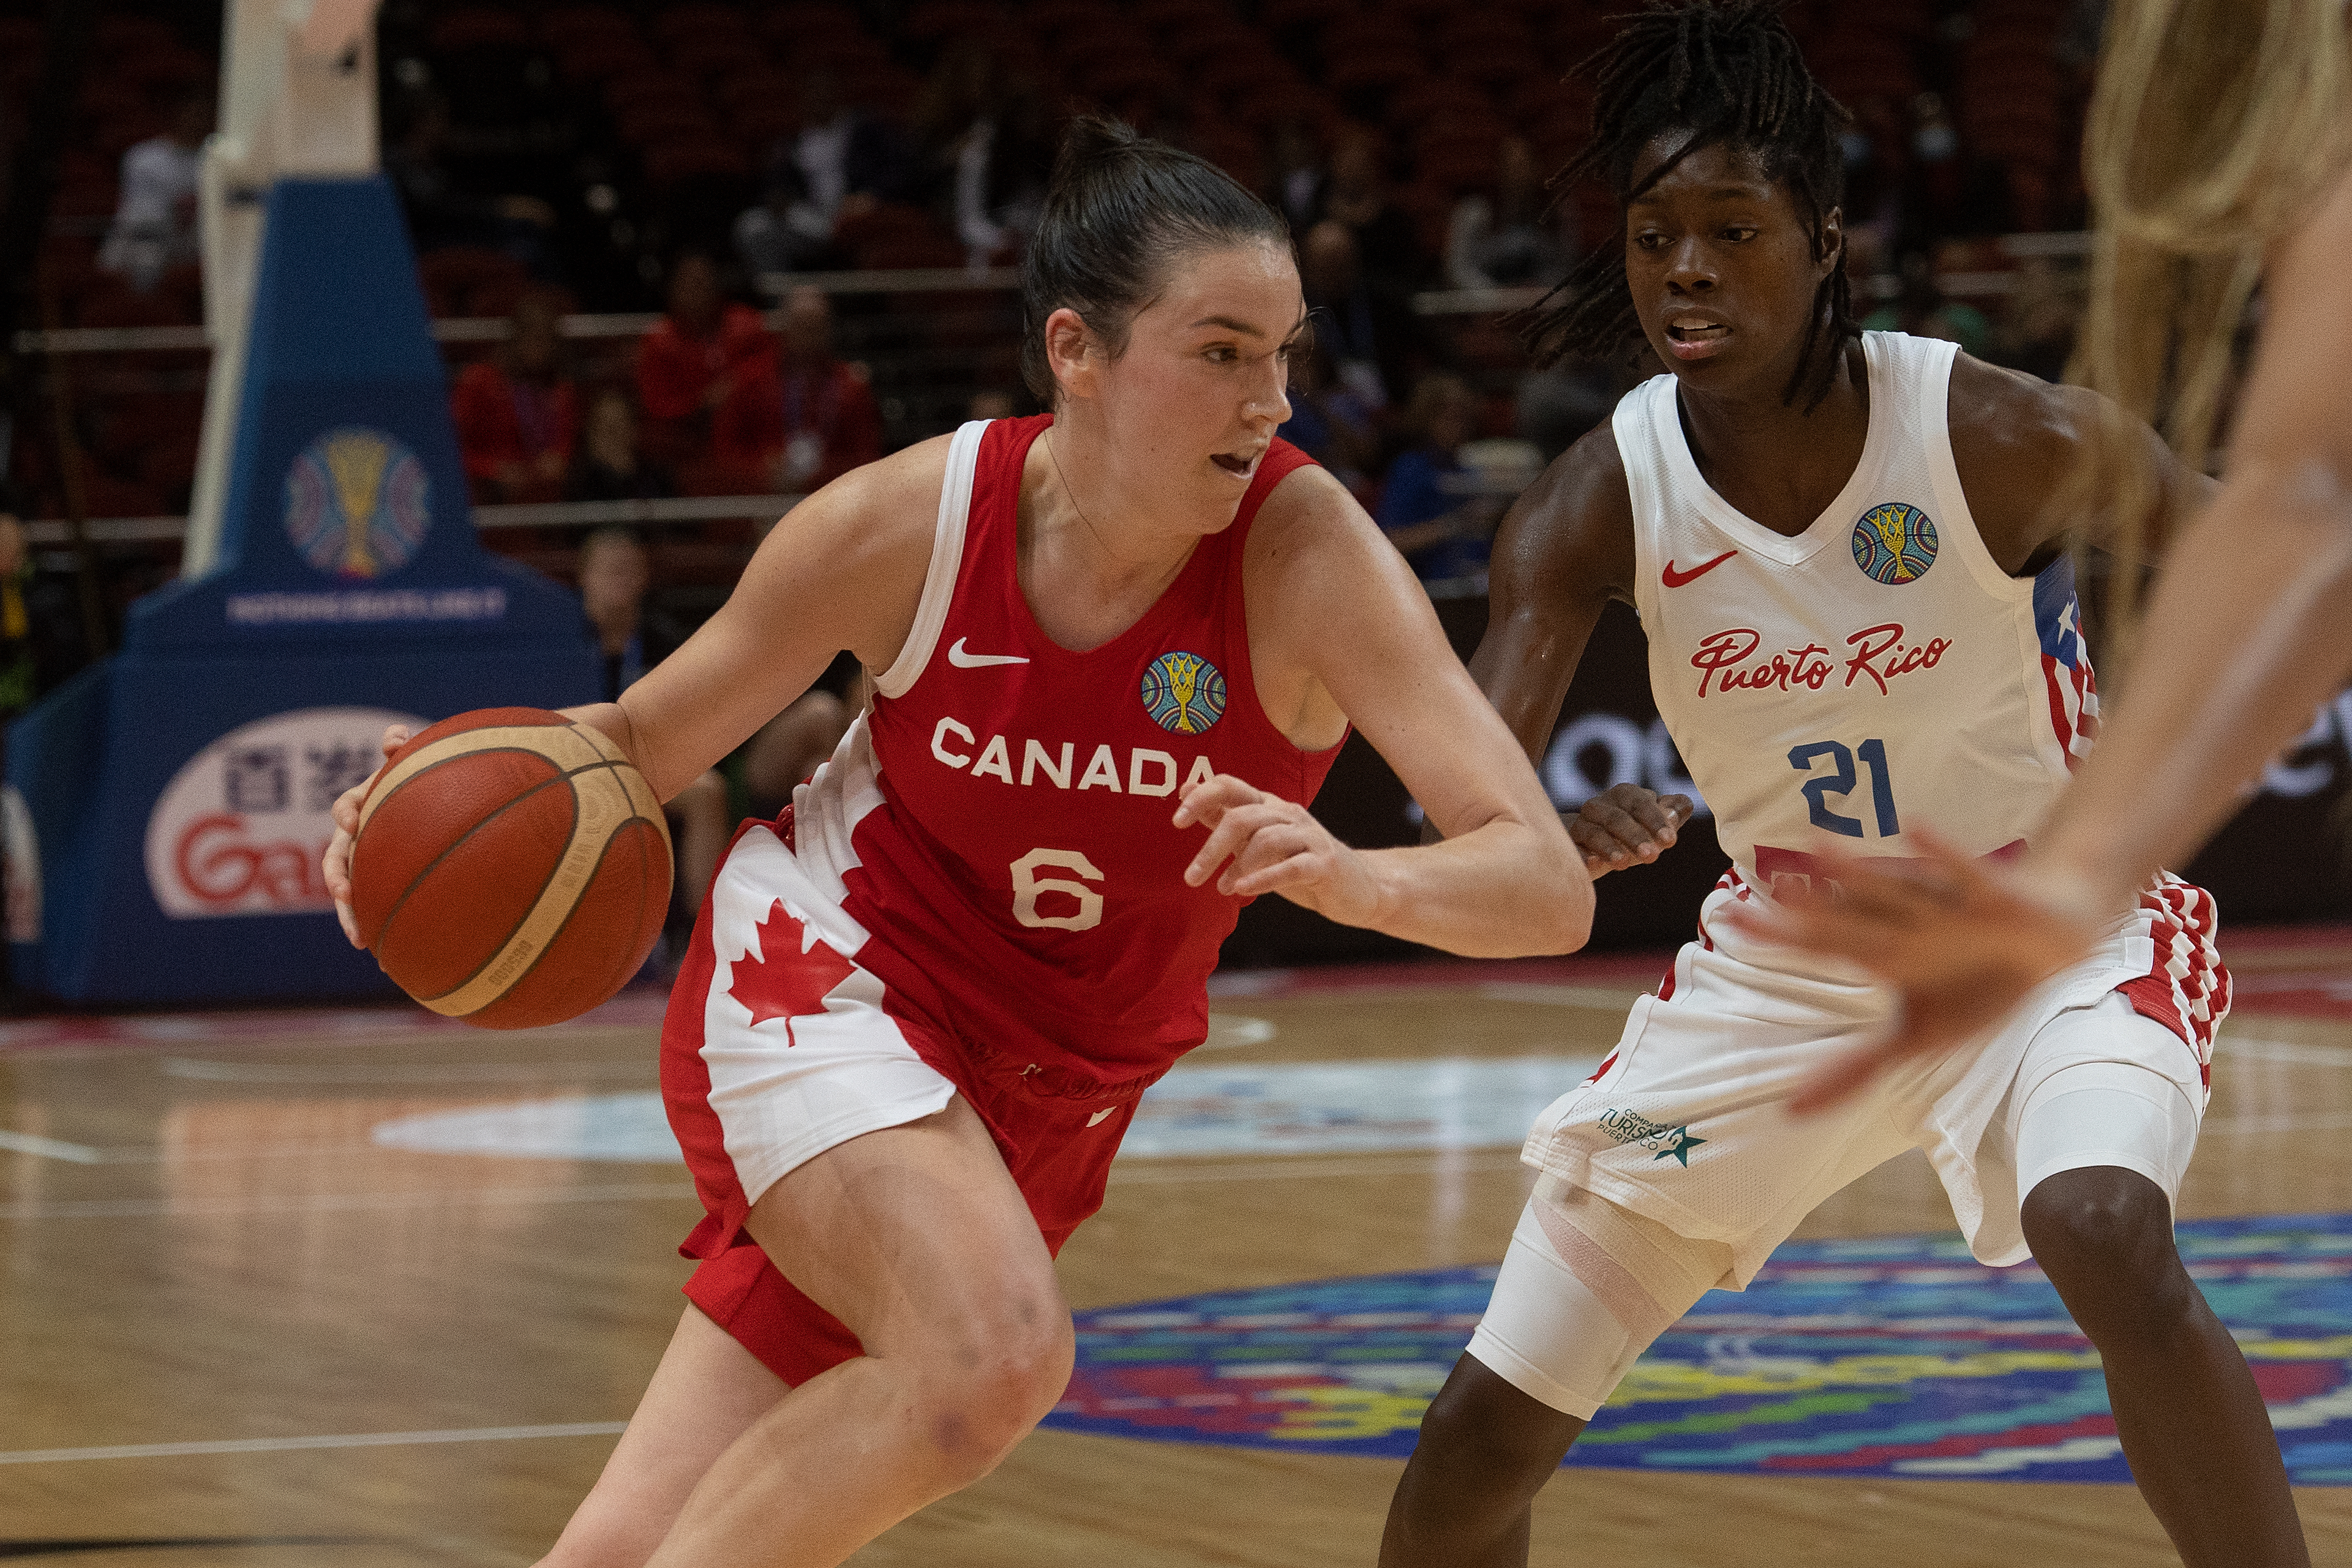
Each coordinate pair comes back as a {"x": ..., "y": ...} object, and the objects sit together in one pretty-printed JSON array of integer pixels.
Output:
[{"x": 334, "y": 1440}]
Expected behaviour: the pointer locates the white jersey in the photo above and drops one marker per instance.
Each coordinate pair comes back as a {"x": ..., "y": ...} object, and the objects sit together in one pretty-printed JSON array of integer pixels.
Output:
[{"x": 1875, "y": 672}]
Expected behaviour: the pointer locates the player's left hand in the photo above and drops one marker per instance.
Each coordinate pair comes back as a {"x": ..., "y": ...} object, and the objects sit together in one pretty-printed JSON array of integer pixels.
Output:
[
  {"x": 1274, "y": 846},
  {"x": 1958, "y": 941}
]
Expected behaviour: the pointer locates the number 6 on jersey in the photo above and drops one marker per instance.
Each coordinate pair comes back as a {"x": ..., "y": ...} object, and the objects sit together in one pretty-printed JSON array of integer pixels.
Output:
[{"x": 1028, "y": 886}]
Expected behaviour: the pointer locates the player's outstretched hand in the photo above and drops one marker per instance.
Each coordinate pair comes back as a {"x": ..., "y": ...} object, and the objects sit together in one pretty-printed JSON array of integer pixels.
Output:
[
  {"x": 1274, "y": 846},
  {"x": 1959, "y": 941},
  {"x": 1627, "y": 825},
  {"x": 346, "y": 812}
]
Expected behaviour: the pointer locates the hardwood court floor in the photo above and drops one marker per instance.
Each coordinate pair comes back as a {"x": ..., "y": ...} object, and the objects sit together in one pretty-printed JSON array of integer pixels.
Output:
[{"x": 199, "y": 1244}]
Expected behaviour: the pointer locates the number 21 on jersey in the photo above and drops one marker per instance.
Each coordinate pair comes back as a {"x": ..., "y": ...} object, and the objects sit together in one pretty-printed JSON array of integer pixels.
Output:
[{"x": 1838, "y": 782}]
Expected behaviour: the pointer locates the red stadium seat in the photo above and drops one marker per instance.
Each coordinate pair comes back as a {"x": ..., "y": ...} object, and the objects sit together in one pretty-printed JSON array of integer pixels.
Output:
[
  {"x": 104, "y": 496},
  {"x": 1235, "y": 150},
  {"x": 1374, "y": 70},
  {"x": 664, "y": 119},
  {"x": 119, "y": 36},
  {"x": 169, "y": 467},
  {"x": 452, "y": 273},
  {"x": 692, "y": 157},
  {"x": 1431, "y": 208},
  {"x": 689, "y": 18},
  {"x": 477, "y": 27},
  {"x": 802, "y": 24},
  {"x": 593, "y": 59},
  {"x": 1368, "y": 35},
  {"x": 647, "y": 84},
  {"x": 710, "y": 54},
  {"x": 1238, "y": 78},
  {"x": 935, "y": 21},
  {"x": 1282, "y": 16},
  {"x": 758, "y": 124}
]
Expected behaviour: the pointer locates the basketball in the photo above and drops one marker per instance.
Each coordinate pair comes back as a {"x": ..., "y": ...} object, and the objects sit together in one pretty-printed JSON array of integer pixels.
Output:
[{"x": 511, "y": 868}]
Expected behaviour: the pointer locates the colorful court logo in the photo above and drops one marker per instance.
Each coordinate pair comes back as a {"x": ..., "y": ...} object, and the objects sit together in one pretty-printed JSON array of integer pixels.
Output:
[
  {"x": 358, "y": 504},
  {"x": 1894, "y": 543},
  {"x": 1894, "y": 1356},
  {"x": 1183, "y": 692}
]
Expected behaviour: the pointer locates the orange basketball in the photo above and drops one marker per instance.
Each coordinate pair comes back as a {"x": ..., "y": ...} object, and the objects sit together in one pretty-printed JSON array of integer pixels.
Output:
[{"x": 511, "y": 868}]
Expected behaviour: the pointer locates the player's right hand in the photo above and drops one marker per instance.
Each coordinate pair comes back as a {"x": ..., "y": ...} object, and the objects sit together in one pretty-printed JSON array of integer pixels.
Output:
[
  {"x": 338, "y": 861},
  {"x": 1627, "y": 825}
]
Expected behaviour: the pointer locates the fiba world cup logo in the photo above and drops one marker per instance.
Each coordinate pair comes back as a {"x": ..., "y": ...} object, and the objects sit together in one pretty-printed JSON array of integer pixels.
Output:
[
  {"x": 1183, "y": 692},
  {"x": 1894, "y": 543},
  {"x": 357, "y": 503}
]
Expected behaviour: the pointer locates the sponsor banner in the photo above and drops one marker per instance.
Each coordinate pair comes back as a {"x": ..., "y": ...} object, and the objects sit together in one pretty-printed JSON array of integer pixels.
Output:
[
  {"x": 240, "y": 828},
  {"x": 367, "y": 606},
  {"x": 1893, "y": 1356}
]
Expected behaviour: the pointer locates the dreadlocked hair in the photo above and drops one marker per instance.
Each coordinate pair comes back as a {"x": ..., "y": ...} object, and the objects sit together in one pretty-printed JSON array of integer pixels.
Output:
[{"x": 1728, "y": 73}]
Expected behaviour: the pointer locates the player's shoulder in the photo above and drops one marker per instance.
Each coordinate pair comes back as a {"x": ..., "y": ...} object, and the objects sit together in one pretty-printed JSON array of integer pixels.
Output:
[
  {"x": 888, "y": 507},
  {"x": 1585, "y": 487},
  {"x": 2003, "y": 415},
  {"x": 1307, "y": 506}
]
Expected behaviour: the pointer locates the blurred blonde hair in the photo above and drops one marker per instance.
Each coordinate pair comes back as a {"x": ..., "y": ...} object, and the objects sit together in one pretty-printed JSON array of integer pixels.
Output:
[{"x": 2213, "y": 126}]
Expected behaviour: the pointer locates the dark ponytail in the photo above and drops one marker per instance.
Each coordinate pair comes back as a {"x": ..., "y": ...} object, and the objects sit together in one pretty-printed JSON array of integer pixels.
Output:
[{"x": 1120, "y": 211}]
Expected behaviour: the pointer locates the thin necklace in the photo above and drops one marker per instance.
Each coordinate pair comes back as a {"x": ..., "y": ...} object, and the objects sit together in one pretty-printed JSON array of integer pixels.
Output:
[{"x": 1055, "y": 458}]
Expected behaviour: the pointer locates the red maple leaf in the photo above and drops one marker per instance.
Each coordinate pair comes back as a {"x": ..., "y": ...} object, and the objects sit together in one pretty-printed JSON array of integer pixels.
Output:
[{"x": 786, "y": 983}]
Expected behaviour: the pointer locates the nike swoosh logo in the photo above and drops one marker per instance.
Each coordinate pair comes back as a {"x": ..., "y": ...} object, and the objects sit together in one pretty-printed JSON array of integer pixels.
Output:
[
  {"x": 1099, "y": 1117},
  {"x": 963, "y": 660},
  {"x": 1673, "y": 579}
]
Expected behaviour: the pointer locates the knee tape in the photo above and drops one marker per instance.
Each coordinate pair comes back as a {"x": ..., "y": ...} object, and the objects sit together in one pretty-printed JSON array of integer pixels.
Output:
[
  {"x": 1586, "y": 1287},
  {"x": 2106, "y": 1113}
]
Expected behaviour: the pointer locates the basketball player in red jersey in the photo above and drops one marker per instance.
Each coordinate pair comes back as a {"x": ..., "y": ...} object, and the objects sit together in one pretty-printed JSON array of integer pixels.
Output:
[
  {"x": 1115, "y": 649},
  {"x": 1860, "y": 615}
]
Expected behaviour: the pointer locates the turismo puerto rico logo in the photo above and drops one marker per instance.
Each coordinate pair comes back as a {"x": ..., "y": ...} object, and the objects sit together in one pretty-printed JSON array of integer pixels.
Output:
[
  {"x": 1665, "y": 1143},
  {"x": 1894, "y": 1356}
]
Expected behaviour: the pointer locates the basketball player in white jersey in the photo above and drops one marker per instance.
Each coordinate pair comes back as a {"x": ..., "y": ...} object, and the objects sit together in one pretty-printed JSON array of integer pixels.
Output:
[{"x": 1859, "y": 618}]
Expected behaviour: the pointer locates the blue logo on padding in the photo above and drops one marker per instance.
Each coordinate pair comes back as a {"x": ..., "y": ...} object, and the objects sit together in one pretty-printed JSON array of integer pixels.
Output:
[{"x": 358, "y": 503}]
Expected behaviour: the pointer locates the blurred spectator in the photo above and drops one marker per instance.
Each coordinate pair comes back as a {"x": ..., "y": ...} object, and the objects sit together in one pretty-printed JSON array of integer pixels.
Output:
[
  {"x": 41, "y": 638},
  {"x": 830, "y": 420},
  {"x": 154, "y": 226},
  {"x": 846, "y": 161},
  {"x": 1357, "y": 196},
  {"x": 785, "y": 233},
  {"x": 707, "y": 382},
  {"x": 607, "y": 467},
  {"x": 518, "y": 412},
  {"x": 796, "y": 742},
  {"x": 1363, "y": 325},
  {"x": 1502, "y": 240},
  {"x": 2038, "y": 335},
  {"x": 615, "y": 576},
  {"x": 1442, "y": 530},
  {"x": 989, "y": 404},
  {"x": 1937, "y": 172},
  {"x": 1876, "y": 162},
  {"x": 441, "y": 214},
  {"x": 1923, "y": 310},
  {"x": 1331, "y": 423},
  {"x": 1298, "y": 174},
  {"x": 1557, "y": 404},
  {"x": 984, "y": 130}
]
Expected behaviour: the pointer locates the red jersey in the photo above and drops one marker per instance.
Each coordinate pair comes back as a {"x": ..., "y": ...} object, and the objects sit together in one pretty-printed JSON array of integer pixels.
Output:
[{"x": 993, "y": 839}]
